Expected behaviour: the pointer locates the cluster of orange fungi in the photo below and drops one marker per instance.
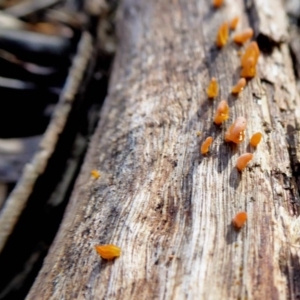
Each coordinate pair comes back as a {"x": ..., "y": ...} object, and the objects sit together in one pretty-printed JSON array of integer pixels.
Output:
[{"x": 236, "y": 131}]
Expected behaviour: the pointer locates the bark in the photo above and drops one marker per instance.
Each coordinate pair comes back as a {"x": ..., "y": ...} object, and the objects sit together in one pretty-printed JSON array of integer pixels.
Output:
[{"x": 165, "y": 205}]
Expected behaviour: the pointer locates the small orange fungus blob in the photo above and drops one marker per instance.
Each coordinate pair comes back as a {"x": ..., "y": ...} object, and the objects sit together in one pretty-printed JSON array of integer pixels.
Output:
[
  {"x": 242, "y": 37},
  {"x": 222, "y": 36},
  {"x": 239, "y": 86},
  {"x": 213, "y": 88},
  {"x": 239, "y": 220},
  {"x": 236, "y": 132},
  {"x": 243, "y": 160},
  {"x": 249, "y": 60},
  {"x": 206, "y": 145},
  {"x": 95, "y": 174},
  {"x": 249, "y": 69},
  {"x": 108, "y": 252},
  {"x": 222, "y": 113},
  {"x": 255, "y": 139},
  {"x": 217, "y": 3},
  {"x": 252, "y": 51},
  {"x": 233, "y": 23}
]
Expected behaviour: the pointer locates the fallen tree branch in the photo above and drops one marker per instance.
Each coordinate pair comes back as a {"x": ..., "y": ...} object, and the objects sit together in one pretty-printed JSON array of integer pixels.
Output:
[{"x": 165, "y": 205}]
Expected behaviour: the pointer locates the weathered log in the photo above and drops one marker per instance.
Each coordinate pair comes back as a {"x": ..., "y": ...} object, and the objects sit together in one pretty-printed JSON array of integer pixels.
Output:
[{"x": 165, "y": 205}]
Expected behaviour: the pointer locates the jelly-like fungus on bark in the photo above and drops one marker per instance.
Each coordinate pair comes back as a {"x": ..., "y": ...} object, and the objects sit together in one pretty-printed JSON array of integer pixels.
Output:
[
  {"x": 95, "y": 174},
  {"x": 252, "y": 51},
  {"x": 243, "y": 37},
  {"x": 255, "y": 139},
  {"x": 233, "y": 23},
  {"x": 108, "y": 252},
  {"x": 206, "y": 145},
  {"x": 236, "y": 132},
  {"x": 239, "y": 86},
  {"x": 222, "y": 36},
  {"x": 243, "y": 160},
  {"x": 213, "y": 88},
  {"x": 249, "y": 68},
  {"x": 239, "y": 220},
  {"x": 222, "y": 113},
  {"x": 217, "y": 3}
]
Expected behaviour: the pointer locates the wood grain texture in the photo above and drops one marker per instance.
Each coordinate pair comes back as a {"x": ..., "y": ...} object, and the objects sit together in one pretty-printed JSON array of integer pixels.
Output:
[{"x": 165, "y": 205}]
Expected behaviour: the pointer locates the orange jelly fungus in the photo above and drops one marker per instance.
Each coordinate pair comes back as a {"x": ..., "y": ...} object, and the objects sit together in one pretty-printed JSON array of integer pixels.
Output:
[
  {"x": 95, "y": 174},
  {"x": 243, "y": 160},
  {"x": 217, "y": 3},
  {"x": 239, "y": 86},
  {"x": 222, "y": 36},
  {"x": 255, "y": 139},
  {"x": 213, "y": 88},
  {"x": 222, "y": 113},
  {"x": 236, "y": 132},
  {"x": 108, "y": 252},
  {"x": 249, "y": 60},
  {"x": 239, "y": 220},
  {"x": 243, "y": 37},
  {"x": 233, "y": 23},
  {"x": 252, "y": 51},
  {"x": 206, "y": 145},
  {"x": 249, "y": 69}
]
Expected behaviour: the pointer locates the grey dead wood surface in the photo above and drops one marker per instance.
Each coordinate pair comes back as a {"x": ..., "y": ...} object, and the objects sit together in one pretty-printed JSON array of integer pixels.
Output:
[{"x": 165, "y": 205}]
